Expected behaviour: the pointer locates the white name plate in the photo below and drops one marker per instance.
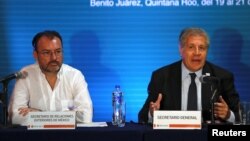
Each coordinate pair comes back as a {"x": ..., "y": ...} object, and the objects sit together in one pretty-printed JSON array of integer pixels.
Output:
[
  {"x": 51, "y": 120},
  {"x": 177, "y": 120}
]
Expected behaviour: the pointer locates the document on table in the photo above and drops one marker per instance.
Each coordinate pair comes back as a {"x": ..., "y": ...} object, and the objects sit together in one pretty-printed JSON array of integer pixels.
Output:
[{"x": 92, "y": 124}]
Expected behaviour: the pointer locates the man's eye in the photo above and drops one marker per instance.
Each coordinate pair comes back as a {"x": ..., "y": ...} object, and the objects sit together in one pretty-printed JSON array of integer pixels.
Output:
[
  {"x": 46, "y": 53},
  {"x": 58, "y": 51},
  {"x": 190, "y": 47},
  {"x": 202, "y": 48}
]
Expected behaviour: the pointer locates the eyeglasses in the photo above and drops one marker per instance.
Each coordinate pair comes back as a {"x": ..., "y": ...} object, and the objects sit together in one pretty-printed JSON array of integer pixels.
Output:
[{"x": 48, "y": 53}]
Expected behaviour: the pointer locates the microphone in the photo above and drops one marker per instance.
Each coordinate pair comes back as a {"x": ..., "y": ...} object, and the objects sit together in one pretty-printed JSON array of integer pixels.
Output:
[
  {"x": 16, "y": 75},
  {"x": 208, "y": 79}
]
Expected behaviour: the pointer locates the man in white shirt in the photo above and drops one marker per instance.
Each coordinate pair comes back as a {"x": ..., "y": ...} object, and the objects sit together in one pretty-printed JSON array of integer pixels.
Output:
[{"x": 50, "y": 85}]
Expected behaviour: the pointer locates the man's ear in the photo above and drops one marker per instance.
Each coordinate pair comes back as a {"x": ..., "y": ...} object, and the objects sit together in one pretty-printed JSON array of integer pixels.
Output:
[
  {"x": 180, "y": 50},
  {"x": 35, "y": 55}
]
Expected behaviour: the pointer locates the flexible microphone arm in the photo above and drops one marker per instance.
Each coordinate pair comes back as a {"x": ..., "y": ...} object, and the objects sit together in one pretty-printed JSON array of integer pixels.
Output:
[
  {"x": 4, "y": 93},
  {"x": 214, "y": 82},
  {"x": 212, "y": 100}
]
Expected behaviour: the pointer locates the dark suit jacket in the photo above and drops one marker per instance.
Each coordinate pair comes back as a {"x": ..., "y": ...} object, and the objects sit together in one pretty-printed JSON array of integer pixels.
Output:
[{"x": 167, "y": 80}]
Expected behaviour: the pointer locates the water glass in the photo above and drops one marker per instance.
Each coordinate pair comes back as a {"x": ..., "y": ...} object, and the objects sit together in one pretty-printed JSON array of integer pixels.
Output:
[{"x": 245, "y": 113}]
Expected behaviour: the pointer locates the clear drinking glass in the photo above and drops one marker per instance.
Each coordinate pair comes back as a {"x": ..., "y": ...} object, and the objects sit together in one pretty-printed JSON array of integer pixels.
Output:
[{"x": 245, "y": 113}]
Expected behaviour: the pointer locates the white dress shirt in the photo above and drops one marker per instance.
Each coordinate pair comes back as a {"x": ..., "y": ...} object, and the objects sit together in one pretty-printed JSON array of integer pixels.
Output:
[
  {"x": 185, "y": 82},
  {"x": 34, "y": 91}
]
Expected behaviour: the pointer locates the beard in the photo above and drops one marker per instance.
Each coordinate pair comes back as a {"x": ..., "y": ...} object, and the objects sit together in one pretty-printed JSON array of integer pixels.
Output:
[{"x": 52, "y": 68}]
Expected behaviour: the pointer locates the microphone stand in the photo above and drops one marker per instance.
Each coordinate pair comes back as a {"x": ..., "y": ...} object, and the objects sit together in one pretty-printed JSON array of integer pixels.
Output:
[
  {"x": 212, "y": 105},
  {"x": 4, "y": 99},
  {"x": 214, "y": 97}
]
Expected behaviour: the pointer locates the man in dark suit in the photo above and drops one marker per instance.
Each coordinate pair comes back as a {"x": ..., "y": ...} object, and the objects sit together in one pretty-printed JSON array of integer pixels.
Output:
[{"x": 169, "y": 85}]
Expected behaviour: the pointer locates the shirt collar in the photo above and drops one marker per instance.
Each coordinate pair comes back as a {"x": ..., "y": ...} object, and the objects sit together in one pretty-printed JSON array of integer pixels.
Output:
[{"x": 185, "y": 72}]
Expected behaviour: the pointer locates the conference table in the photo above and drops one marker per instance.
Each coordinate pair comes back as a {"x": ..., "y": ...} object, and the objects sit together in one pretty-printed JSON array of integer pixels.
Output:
[{"x": 131, "y": 132}]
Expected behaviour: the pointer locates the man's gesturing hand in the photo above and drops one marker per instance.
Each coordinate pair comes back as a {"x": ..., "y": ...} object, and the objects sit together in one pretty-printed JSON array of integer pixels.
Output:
[{"x": 155, "y": 105}]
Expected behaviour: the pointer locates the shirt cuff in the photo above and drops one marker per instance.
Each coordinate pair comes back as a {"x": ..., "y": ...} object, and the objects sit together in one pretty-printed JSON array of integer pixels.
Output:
[
  {"x": 150, "y": 118},
  {"x": 231, "y": 117}
]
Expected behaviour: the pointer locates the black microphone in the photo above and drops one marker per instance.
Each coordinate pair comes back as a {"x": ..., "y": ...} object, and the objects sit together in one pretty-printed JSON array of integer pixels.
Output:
[
  {"x": 16, "y": 75},
  {"x": 214, "y": 82},
  {"x": 208, "y": 79}
]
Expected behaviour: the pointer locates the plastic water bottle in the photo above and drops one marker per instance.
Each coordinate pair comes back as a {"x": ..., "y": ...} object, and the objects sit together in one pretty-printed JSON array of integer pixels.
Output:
[{"x": 117, "y": 97}]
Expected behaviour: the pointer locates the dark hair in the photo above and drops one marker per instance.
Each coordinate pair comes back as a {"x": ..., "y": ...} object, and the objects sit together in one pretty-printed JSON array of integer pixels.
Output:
[{"x": 48, "y": 33}]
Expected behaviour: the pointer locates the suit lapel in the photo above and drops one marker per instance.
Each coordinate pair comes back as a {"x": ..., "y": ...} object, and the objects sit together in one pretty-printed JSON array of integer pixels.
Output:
[{"x": 173, "y": 86}]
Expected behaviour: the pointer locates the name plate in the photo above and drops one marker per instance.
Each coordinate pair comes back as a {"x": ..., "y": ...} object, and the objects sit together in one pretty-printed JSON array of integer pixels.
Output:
[
  {"x": 51, "y": 120},
  {"x": 177, "y": 120}
]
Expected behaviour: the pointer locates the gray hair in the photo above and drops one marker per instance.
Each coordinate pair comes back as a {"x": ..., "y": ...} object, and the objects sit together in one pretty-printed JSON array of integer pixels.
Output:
[{"x": 193, "y": 31}]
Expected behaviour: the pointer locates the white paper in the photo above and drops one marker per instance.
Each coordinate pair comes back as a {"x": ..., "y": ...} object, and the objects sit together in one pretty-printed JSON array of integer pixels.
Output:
[{"x": 92, "y": 124}]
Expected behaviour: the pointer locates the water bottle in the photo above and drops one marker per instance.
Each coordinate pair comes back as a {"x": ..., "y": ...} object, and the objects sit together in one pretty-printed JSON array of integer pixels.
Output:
[{"x": 117, "y": 97}]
